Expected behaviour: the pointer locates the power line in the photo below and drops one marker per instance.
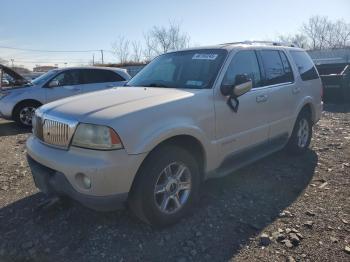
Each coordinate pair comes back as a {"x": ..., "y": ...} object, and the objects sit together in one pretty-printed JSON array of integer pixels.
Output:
[{"x": 54, "y": 51}]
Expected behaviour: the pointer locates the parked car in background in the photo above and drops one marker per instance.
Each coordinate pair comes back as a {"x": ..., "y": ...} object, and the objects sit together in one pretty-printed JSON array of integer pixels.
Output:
[
  {"x": 187, "y": 116},
  {"x": 21, "y": 100}
]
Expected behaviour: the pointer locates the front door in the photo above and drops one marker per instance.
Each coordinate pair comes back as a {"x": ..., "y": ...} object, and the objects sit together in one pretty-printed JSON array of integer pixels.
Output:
[
  {"x": 65, "y": 84},
  {"x": 248, "y": 126}
]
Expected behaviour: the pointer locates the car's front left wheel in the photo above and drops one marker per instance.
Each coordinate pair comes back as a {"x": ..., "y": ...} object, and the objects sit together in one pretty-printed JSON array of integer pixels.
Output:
[
  {"x": 166, "y": 186},
  {"x": 24, "y": 112}
]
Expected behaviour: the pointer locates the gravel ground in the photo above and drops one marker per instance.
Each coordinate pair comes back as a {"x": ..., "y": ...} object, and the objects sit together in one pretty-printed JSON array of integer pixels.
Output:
[{"x": 281, "y": 208}]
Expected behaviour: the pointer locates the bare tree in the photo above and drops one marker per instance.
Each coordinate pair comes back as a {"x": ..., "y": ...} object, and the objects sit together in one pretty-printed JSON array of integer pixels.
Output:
[
  {"x": 136, "y": 51},
  {"x": 121, "y": 48},
  {"x": 163, "y": 39},
  {"x": 299, "y": 40},
  {"x": 324, "y": 33},
  {"x": 319, "y": 33}
]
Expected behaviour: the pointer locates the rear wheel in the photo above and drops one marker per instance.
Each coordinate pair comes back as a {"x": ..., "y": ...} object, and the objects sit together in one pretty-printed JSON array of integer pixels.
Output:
[
  {"x": 166, "y": 186},
  {"x": 24, "y": 112},
  {"x": 301, "y": 135}
]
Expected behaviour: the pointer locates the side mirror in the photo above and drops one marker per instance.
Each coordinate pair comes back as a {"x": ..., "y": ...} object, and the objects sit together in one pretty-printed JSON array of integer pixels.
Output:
[
  {"x": 242, "y": 85},
  {"x": 54, "y": 83}
]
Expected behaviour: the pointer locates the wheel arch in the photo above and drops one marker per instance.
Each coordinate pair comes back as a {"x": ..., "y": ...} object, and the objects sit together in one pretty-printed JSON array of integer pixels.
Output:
[
  {"x": 24, "y": 102},
  {"x": 309, "y": 106},
  {"x": 188, "y": 142}
]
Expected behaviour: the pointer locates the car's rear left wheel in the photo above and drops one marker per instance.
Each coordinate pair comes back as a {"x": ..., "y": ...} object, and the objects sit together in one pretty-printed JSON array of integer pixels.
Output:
[
  {"x": 300, "y": 139},
  {"x": 166, "y": 186}
]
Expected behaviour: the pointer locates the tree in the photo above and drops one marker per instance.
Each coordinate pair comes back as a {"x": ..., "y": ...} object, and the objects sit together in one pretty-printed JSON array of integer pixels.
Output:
[
  {"x": 299, "y": 40},
  {"x": 320, "y": 33},
  {"x": 136, "y": 51},
  {"x": 121, "y": 49},
  {"x": 324, "y": 33},
  {"x": 162, "y": 39}
]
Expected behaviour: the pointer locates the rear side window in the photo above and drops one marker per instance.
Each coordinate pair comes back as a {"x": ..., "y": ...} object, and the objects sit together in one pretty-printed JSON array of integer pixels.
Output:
[
  {"x": 244, "y": 62},
  {"x": 305, "y": 65},
  {"x": 276, "y": 72},
  {"x": 288, "y": 73},
  {"x": 101, "y": 76}
]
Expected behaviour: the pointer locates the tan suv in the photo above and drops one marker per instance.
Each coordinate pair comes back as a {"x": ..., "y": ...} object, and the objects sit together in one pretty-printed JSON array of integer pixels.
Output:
[{"x": 187, "y": 116}]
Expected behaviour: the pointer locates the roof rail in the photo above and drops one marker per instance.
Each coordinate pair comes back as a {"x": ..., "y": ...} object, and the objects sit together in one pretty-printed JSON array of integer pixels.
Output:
[{"x": 274, "y": 43}]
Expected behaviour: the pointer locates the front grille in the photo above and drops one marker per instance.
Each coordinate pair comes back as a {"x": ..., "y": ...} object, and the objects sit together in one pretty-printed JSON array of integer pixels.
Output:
[
  {"x": 53, "y": 131},
  {"x": 56, "y": 133}
]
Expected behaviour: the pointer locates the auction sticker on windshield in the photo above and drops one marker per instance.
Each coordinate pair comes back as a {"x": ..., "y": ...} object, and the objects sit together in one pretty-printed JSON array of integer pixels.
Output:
[{"x": 205, "y": 56}]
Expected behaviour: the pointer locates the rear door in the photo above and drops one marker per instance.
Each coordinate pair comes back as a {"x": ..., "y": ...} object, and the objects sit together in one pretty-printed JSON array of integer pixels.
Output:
[
  {"x": 278, "y": 77},
  {"x": 248, "y": 127},
  {"x": 99, "y": 79}
]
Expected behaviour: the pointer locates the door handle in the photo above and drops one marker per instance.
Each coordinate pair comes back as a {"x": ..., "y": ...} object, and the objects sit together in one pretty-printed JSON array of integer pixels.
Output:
[
  {"x": 261, "y": 98},
  {"x": 76, "y": 89}
]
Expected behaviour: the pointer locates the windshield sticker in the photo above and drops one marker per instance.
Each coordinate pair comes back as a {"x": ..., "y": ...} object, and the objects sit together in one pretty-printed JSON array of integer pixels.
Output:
[
  {"x": 194, "y": 83},
  {"x": 205, "y": 56}
]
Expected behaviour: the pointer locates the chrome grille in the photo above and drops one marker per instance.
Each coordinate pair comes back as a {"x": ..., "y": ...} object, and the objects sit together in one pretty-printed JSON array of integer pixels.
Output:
[
  {"x": 37, "y": 127},
  {"x": 53, "y": 131},
  {"x": 56, "y": 133}
]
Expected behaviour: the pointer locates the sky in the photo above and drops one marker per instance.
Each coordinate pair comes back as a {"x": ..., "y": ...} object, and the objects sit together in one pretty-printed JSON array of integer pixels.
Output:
[{"x": 94, "y": 25}]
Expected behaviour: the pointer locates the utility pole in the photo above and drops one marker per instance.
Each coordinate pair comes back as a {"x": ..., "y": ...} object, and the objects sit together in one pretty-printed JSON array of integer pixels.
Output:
[
  {"x": 93, "y": 59},
  {"x": 12, "y": 62},
  {"x": 102, "y": 56}
]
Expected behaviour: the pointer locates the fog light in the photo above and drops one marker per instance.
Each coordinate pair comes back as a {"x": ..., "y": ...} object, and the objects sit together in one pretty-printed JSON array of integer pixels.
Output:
[
  {"x": 83, "y": 180},
  {"x": 87, "y": 182}
]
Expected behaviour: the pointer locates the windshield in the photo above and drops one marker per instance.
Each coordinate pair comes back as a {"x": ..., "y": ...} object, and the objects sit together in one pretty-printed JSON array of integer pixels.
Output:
[
  {"x": 184, "y": 69},
  {"x": 43, "y": 78}
]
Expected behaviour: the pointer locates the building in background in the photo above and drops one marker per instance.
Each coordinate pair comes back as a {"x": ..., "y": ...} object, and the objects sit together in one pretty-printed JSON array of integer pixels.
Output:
[{"x": 43, "y": 69}]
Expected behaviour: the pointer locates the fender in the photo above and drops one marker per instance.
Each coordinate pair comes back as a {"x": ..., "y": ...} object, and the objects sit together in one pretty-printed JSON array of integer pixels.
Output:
[
  {"x": 173, "y": 128},
  {"x": 308, "y": 100}
]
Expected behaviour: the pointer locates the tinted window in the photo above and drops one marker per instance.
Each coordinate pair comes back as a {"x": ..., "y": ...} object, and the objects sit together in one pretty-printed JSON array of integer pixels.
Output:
[
  {"x": 288, "y": 73},
  {"x": 305, "y": 65},
  {"x": 195, "y": 69},
  {"x": 244, "y": 62},
  {"x": 101, "y": 76},
  {"x": 273, "y": 67},
  {"x": 69, "y": 77}
]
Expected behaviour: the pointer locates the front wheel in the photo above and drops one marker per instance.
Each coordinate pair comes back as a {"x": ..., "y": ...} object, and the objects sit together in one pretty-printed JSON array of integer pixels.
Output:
[
  {"x": 301, "y": 135},
  {"x": 166, "y": 186},
  {"x": 24, "y": 112}
]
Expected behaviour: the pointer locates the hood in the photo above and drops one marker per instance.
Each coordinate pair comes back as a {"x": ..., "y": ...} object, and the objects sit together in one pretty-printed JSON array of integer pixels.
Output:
[
  {"x": 19, "y": 81},
  {"x": 113, "y": 103}
]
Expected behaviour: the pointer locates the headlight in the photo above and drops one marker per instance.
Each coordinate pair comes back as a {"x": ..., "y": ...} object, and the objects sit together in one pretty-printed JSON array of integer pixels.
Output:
[{"x": 96, "y": 137}]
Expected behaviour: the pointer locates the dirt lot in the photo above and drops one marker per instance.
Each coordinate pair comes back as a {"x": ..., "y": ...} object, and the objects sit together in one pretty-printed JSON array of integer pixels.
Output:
[{"x": 280, "y": 209}]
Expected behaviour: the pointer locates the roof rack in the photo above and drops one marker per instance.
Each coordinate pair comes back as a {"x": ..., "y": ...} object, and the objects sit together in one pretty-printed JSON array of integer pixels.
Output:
[{"x": 274, "y": 43}]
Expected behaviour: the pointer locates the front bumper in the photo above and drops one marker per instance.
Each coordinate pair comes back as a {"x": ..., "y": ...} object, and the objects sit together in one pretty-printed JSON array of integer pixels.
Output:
[
  {"x": 57, "y": 171},
  {"x": 5, "y": 110},
  {"x": 52, "y": 182}
]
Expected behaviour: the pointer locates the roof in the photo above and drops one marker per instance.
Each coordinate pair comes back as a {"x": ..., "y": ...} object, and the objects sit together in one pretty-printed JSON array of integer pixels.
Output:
[
  {"x": 123, "y": 72},
  {"x": 249, "y": 45}
]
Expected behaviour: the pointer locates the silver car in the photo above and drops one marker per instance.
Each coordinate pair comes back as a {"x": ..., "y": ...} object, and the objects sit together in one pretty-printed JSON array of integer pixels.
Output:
[{"x": 19, "y": 102}]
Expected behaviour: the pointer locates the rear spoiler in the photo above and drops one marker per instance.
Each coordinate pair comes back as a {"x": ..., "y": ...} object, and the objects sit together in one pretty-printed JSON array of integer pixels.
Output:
[{"x": 18, "y": 79}]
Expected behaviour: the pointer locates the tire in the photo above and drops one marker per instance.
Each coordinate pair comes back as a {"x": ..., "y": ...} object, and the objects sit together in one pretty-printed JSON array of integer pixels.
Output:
[
  {"x": 175, "y": 197},
  {"x": 23, "y": 112},
  {"x": 301, "y": 136}
]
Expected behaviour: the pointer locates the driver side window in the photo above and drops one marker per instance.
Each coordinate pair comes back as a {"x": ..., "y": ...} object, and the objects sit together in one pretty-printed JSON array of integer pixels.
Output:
[
  {"x": 244, "y": 62},
  {"x": 67, "y": 78}
]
